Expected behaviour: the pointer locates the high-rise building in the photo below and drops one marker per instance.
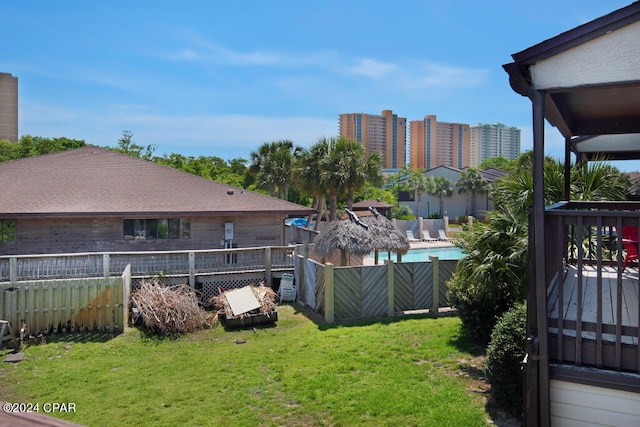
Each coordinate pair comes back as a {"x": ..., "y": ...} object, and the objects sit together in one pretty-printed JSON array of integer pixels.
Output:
[
  {"x": 385, "y": 134},
  {"x": 8, "y": 107},
  {"x": 434, "y": 143},
  {"x": 492, "y": 140}
]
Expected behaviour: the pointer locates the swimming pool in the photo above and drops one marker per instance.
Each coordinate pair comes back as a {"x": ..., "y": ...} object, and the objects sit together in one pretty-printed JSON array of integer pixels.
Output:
[{"x": 423, "y": 254}]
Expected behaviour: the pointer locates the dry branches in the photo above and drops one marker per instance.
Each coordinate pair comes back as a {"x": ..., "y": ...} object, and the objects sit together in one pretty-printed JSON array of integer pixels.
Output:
[
  {"x": 169, "y": 310},
  {"x": 265, "y": 296}
]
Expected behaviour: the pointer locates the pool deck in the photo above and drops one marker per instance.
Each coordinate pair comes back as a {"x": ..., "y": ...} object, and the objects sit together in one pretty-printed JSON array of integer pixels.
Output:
[{"x": 417, "y": 245}]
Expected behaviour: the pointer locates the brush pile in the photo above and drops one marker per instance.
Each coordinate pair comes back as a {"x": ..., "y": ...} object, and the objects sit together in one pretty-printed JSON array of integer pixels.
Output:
[
  {"x": 169, "y": 310},
  {"x": 266, "y": 313}
]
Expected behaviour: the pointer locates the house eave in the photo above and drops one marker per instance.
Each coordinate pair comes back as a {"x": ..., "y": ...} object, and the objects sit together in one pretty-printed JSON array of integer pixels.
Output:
[
  {"x": 150, "y": 214},
  {"x": 578, "y": 35}
]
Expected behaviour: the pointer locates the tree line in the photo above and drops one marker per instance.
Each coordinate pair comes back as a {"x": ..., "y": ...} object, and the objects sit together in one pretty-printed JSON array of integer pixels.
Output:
[{"x": 336, "y": 170}]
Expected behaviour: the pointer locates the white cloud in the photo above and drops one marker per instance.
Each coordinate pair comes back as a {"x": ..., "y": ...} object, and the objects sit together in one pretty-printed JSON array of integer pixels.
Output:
[
  {"x": 373, "y": 68},
  {"x": 206, "y": 51},
  {"x": 409, "y": 73},
  {"x": 433, "y": 74}
]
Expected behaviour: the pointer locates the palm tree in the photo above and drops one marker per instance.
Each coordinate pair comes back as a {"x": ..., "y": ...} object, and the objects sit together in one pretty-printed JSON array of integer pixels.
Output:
[
  {"x": 419, "y": 183},
  {"x": 471, "y": 182},
  {"x": 359, "y": 168},
  {"x": 307, "y": 175},
  {"x": 441, "y": 189},
  {"x": 493, "y": 275},
  {"x": 598, "y": 180},
  {"x": 333, "y": 175},
  {"x": 273, "y": 162}
]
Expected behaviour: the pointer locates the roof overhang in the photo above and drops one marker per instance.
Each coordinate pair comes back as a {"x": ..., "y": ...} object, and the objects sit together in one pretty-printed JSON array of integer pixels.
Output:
[
  {"x": 590, "y": 78},
  {"x": 152, "y": 214}
]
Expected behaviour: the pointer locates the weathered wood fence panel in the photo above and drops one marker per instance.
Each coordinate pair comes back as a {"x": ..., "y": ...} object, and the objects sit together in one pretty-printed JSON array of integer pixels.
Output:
[
  {"x": 447, "y": 268},
  {"x": 65, "y": 305},
  {"x": 348, "y": 292},
  {"x": 413, "y": 285},
  {"x": 360, "y": 292},
  {"x": 320, "y": 286},
  {"x": 376, "y": 291}
]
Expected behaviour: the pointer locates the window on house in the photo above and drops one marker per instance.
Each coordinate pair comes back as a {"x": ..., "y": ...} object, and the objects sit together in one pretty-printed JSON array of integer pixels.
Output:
[
  {"x": 7, "y": 230},
  {"x": 151, "y": 229}
]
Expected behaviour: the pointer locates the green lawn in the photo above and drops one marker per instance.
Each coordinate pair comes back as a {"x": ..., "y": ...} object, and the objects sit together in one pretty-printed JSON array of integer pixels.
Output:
[{"x": 405, "y": 372}]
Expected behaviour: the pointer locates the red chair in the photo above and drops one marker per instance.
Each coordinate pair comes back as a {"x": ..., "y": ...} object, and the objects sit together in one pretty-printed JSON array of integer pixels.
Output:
[{"x": 630, "y": 243}]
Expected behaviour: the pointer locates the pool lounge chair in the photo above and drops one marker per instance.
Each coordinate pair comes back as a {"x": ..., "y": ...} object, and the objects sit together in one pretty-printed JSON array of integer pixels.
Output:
[
  {"x": 287, "y": 290},
  {"x": 442, "y": 235},
  {"x": 427, "y": 236},
  {"x": 411, "y": 237}
]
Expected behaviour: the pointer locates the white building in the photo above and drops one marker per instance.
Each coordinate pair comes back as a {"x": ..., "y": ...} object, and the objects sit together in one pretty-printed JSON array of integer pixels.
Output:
[{"x": 493, "y": 140}]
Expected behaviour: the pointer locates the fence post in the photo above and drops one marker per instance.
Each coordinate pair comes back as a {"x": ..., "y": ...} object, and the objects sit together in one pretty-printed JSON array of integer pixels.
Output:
[
  {"x": 391, "y": 286},
  {"x": 302, "y": 272},
  {"x": 13, "y": 270},
  {"x": 267, "y": 266},
  {"x": 106, "y": 265},
  {"x": 329, "y": 294},
  {"x": 126, "y": 292},
  {"x": 192, "y": 270},
  {"x": 435, "y": 301}
]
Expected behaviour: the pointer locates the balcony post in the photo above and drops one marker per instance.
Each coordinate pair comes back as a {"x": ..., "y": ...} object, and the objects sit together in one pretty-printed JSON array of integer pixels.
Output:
[{"x": 538, "y": 103}]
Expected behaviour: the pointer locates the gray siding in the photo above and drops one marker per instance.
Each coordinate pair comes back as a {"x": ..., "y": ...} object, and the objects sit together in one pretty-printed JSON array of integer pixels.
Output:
[{"x": 70, "y": 235}]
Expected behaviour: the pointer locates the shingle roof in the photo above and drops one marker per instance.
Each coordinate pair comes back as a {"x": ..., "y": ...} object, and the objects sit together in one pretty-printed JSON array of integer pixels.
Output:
[
  {"x": 371, "y": 203},
  {"x": 98, "y": 182}
]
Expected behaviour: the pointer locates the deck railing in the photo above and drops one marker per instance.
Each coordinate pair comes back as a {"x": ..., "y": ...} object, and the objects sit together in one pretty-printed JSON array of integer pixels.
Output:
[
  {"x": 592, "y": 302},
  {"x": 146, "y": 264}
]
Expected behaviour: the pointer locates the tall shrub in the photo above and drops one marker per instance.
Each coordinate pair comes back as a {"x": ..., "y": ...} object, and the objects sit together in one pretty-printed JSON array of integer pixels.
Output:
[
  {"x": 504, "y": 355},
  {"x": 492, "y": 277}
]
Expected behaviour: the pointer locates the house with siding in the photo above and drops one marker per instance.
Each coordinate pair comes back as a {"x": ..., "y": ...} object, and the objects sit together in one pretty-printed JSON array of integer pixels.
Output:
[
  {"x": 458, "y": 204},
  {"x": 94, "y": 200},
  {"x": 583, "y": 357}
]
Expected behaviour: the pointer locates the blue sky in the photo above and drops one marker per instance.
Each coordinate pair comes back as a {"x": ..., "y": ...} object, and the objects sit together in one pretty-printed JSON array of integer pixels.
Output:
[{"x": 219, "y": 78}]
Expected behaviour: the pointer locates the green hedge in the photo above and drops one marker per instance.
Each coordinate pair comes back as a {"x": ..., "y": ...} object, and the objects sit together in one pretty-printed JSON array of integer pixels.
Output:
[{"x": 505, "y": 353}]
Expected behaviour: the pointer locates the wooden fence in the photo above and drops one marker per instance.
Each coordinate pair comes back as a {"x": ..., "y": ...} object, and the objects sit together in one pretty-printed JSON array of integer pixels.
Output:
[
  {"x": 67, "y": 305},
  {"x": 87, "y": 291},
  {"x": 342, "y": 293}
]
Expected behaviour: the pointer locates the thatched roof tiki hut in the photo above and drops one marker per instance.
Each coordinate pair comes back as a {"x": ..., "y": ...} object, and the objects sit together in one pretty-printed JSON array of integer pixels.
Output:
[{"x": 361, "y": 236}]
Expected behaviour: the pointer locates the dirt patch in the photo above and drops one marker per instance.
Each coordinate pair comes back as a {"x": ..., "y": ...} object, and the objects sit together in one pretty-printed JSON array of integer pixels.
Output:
[{"x": 474, "y": 370}]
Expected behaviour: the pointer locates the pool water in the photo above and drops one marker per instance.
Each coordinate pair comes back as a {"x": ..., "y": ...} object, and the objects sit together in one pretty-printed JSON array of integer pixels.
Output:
[{"x": 424, "y": 254}]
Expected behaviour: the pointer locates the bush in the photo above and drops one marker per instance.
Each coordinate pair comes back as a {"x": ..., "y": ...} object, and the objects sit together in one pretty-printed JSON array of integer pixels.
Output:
[
  {"x": 504, "y": 355},
  {"x": 402, "y": 212},
  {"x": 492, "y": 278}
]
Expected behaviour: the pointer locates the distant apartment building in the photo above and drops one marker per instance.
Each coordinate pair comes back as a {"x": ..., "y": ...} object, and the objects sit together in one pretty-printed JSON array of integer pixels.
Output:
[
  {"x": 492, "y": 140},
  {"x": 433, "y": 143},
  {"x": 385, "y": 134},
  {"x": 8, "y": 107}
]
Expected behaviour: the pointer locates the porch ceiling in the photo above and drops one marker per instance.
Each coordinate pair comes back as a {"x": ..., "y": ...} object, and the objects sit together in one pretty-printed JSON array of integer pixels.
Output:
[
  {"x": 595, "y": 110},
  {"x": 612, "y": 147}
]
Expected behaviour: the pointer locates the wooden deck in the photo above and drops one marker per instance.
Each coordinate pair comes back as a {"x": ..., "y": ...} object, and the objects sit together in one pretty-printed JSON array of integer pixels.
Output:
[{"x": 629, "y": 314}]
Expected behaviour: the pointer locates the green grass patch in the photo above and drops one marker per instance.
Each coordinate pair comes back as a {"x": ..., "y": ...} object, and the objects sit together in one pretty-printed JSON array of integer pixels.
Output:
[{"x": 409, "y": 371}]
